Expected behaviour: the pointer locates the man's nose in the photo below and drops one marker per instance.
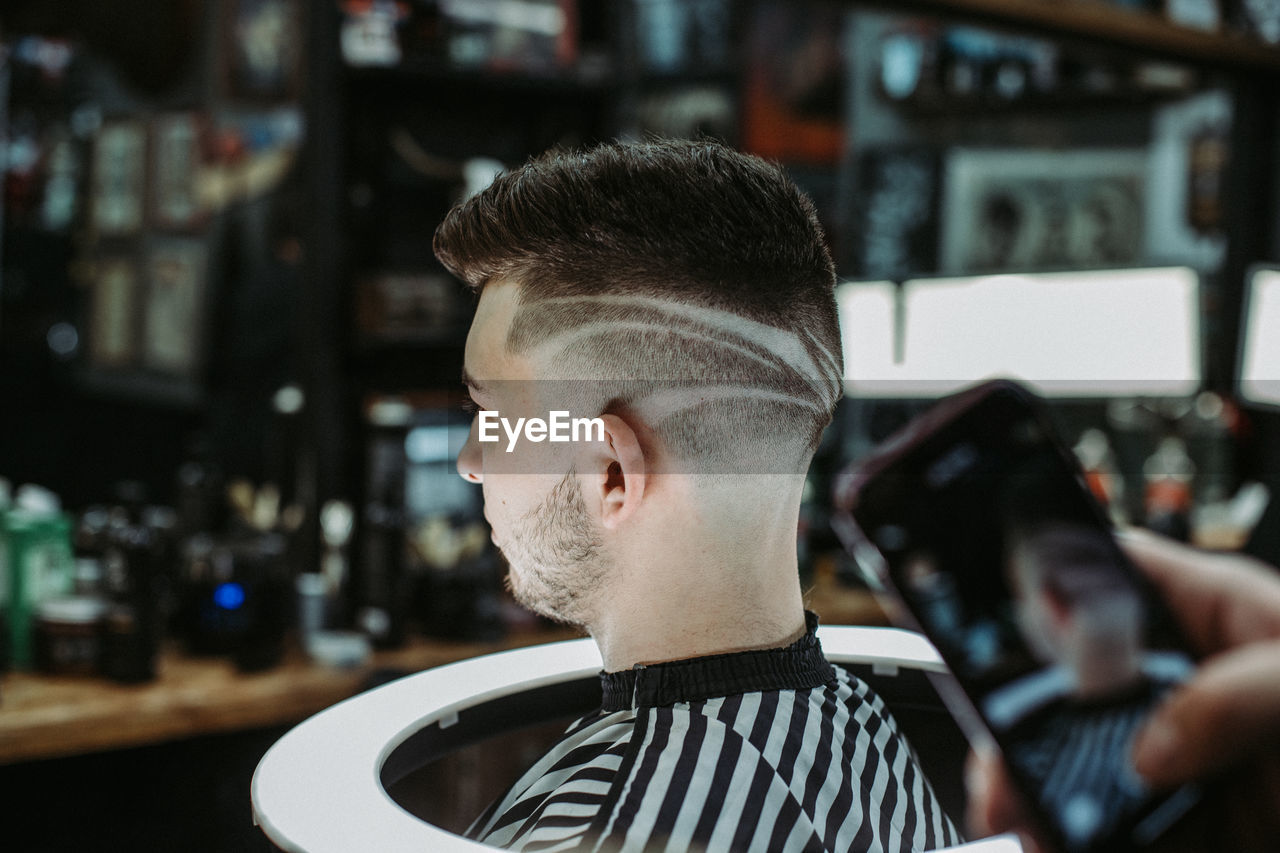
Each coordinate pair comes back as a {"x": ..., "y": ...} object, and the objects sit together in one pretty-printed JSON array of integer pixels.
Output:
[{"x": 469, "y": 458}]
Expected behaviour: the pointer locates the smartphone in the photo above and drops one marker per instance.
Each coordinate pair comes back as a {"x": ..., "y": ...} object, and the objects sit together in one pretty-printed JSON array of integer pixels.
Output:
[{"x": 977, "y": 522}]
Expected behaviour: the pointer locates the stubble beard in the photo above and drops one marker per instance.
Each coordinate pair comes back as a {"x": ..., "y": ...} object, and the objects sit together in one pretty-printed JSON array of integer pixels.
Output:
[{"x": 556, "y": 568}]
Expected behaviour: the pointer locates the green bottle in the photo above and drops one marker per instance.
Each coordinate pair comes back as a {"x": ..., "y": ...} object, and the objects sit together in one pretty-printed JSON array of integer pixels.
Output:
[
  {"x": 5, "y": 636},
  {"x": 36, "y": 564}
]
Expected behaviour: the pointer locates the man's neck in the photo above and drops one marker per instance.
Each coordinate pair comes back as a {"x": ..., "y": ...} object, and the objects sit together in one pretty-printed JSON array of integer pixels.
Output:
[{"x": 691, "y": 596}]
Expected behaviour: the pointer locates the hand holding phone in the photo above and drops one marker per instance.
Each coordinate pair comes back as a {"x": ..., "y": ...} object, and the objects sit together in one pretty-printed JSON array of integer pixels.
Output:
[
  {"x": 1224, "y": 722},
  {"x": 978, "y": 521}
]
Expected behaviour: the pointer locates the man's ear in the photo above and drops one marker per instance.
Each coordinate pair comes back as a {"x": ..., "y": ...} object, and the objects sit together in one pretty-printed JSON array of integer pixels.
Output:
[{"x": 617, "y": 472}]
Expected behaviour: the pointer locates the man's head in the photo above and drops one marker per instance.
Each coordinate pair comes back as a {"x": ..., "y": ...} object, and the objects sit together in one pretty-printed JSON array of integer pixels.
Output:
[
  {"x": 1075, "y": 606},
  {"x": 680, "y": 290}
]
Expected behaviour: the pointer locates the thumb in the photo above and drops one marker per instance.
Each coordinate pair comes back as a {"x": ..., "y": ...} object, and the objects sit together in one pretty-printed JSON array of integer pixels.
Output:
[{"x": 1227, "y": 714}]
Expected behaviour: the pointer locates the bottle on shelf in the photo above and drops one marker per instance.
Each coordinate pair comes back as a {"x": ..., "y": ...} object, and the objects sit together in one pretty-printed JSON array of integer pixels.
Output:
[
  {"x": 1169, "y": 474},
  {"x": 381, "y": 582},
  {"x": 5, "y": 633},
  {"x": 1101, "y": 473},
  {"x": 37, "y": 558},
  {"x": 132, "y": 625}
]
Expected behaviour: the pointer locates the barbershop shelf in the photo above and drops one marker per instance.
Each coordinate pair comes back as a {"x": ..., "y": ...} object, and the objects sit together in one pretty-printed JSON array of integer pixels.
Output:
[
  {"x": 963, "y": 106},
  {"x": 1106, "y": 24},
  {"x": 586, "y": 81},
  {"x": 44, "y": 717}
]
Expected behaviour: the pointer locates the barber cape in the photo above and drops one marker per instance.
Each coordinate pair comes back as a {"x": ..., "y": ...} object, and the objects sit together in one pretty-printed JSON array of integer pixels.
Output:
[{"x": 770, "y": 750}]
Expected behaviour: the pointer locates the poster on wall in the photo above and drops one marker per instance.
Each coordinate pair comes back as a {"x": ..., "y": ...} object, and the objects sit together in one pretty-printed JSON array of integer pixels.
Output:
[
  {"x": 175, "y": 164},
  {"x": 679, "y": 36},
  {"x": 794, "y": 92},
  {"x": 1185, "y": 201},
  {"x": 176, "y": 272},
  {"x": 113, "y": 309},
  {"x": 261, "y": 49},
  {"x": 896, "y": 236},
  {"x": 1028, "y": 209},
  {"x": 118, "y": 198},
  {"x": 409, "y": 306}
]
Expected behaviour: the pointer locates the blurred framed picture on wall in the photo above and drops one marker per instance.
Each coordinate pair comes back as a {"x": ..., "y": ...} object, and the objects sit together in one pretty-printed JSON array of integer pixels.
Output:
[
  {"x": 113, "y": 313},
  {"x": 793, "y": 94},
  {"x": 1032, "y": 209},
  {"x": 261, "y": 50},
  {"x": 177, "y": 275},
  {"x": 175, "y": 167},
  {"x": 410, "y": 306},
  {"x": 1259, "y": 18},
  {"x": 118, "y": 197},
  {"x": 1195, "y": 14},
  {"x": 896, "y": 237}
]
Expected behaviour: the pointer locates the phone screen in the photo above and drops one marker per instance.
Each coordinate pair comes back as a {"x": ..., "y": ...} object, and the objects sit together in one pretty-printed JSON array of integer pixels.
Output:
[{"x": 994, "y": 544}]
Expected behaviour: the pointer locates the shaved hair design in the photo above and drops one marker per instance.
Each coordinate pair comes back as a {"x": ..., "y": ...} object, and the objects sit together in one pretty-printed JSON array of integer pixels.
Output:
[{"x": 690, "y": 283}]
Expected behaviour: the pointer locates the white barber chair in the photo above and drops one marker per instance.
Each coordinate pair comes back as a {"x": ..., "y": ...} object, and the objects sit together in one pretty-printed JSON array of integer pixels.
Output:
[{"x": 322, "y": 788}]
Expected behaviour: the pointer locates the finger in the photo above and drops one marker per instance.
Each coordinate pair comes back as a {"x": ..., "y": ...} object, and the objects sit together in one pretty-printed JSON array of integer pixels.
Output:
[
  {"x": 987, "y": 813},
  {"x": 1227, "y": 714},
  {"x": 994, "y": 806},
  {"x": 1220, "y": 600}
]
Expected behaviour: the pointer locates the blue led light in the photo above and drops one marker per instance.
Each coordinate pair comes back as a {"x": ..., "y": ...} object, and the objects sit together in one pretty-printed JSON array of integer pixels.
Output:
[{"x": 229, "y": 596}]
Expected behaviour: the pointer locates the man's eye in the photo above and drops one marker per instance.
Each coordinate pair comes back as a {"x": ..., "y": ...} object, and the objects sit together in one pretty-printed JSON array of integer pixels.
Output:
[{"x": 471, "y": 407}]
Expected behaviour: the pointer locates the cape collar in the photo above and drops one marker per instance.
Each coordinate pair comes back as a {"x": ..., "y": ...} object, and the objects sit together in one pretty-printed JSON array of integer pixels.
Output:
[{"x": 799, "y": 666}]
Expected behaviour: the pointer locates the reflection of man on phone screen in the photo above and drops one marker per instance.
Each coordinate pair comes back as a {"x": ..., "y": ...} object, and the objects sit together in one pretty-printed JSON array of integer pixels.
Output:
[
  {"x": 1078, "y": 615},
  {"x": 1070, "y": 722}
]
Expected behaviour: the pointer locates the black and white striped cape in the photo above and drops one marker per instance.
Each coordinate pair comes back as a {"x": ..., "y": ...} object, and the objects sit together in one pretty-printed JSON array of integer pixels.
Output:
[{"x": 771, "y": 750}]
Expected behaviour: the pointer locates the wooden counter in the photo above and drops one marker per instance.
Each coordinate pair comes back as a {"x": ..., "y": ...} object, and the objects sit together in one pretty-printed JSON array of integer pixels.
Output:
[{"x": 43, "y": 717}]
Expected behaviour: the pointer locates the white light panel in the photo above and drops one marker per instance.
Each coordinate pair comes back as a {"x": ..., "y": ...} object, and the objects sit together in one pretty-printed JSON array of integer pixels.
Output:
[
  {"x": 1260, "y": 340},
  {"x": 867, "y": 323},
  {"x": 1100, "y": 333}
]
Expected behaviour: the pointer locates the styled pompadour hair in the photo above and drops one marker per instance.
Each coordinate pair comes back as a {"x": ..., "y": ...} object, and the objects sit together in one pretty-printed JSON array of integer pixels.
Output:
[{"x": 692, "y": 276}]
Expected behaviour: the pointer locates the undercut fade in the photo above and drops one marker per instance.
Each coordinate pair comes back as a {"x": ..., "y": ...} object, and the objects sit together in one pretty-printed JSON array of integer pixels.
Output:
[{"x": 692, "y": 276}]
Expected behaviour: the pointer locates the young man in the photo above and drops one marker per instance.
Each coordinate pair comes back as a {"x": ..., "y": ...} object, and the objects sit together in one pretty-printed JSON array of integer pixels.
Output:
[{"x": 679, "y": 295}]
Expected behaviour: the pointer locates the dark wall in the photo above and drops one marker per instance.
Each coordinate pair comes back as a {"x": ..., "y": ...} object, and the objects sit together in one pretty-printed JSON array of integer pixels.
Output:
[
  {"x": 191, "y": 796},
  {"x": 151, "y": 44}
]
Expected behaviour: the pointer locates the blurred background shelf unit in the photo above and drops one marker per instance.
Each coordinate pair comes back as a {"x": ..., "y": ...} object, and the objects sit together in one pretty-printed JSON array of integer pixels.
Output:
[
  {"x": 990, "y": 137},
  {"x": 323, "y": 142},
  {"x": 415, "y": 106},
  {"x": 866, "y": 103},
  {"x": 1208, "y": 34},
  {"x": 1030, "y": 108},
  {"x": 146, "y": 151}
]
